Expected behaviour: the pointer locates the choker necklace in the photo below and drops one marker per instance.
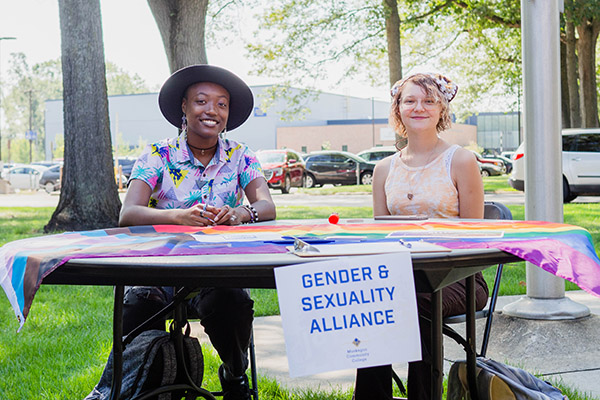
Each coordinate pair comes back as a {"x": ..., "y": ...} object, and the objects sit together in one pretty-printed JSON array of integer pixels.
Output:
[{"x": 202, "y": 150}]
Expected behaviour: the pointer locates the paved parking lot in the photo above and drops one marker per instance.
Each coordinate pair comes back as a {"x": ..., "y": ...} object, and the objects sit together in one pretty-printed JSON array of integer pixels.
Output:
[{"x": 43, "y": 199}]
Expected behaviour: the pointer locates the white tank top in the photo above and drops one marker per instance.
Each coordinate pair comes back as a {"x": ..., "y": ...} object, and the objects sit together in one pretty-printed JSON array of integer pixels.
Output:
[{"x": 425, "y": 190}]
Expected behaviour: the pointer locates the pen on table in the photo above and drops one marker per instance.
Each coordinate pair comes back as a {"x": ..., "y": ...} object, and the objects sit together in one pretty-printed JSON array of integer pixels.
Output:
[
  {"x": 405, "y": 244},
  {"x": 204, "y": 206},
  {"x": 292, "y": 239}
]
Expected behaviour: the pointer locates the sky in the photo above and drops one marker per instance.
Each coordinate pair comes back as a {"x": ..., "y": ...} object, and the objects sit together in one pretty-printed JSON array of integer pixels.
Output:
[{"x": 131, "y": 41}]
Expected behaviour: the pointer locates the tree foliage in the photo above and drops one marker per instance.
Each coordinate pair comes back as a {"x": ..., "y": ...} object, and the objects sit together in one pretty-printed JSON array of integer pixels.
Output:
[
  {"x": 298, "y": 41},
  {"x": 477, "y": 43},
  {"x": 44, "y": 81}
]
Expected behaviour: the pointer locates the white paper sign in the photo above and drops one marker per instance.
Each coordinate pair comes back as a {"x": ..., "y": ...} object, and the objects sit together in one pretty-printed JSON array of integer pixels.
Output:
[{"x": 347, "y": 313}]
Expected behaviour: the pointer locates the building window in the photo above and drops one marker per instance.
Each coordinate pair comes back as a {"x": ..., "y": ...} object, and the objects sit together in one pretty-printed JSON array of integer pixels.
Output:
[
  {"x": 344, "y": 147},
  {"x": 304, "y": 149}
]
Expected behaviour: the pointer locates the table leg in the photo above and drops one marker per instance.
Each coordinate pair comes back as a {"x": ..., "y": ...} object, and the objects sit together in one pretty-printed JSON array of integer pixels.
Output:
[
  {"x": 437, "y": 346},
  {"x": 117, "y": 376},
  {"x": 471, "y": 338}
]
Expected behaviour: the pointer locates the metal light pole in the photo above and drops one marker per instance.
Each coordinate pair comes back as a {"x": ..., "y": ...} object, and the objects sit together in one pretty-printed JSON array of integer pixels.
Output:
[
  {"x": 30, "y": 132},
  {"x": 1, "y": 39},
  {"x": 543, "y": 165},
  {"x": 373, "y": 120}
]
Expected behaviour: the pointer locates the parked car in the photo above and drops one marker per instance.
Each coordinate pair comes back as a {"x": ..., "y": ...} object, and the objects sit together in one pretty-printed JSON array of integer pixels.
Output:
[
  {"x": 26, "y": 177},
  {"x": 508, "y": 154},
  {"x": 5, "y": 168},
  {"x": 580, "y": 163},
  {"x": 126, "y": 164},
  {"x": 283, "y": 169},
  {"x": 50, "y": 179},
  {"x": 506, "y": 161},
  {"x": 377, "y": 153},
  {"x": 338, "y": 168},
  {"x": 490, "y": 167},
  {"x": 46, "y": 164}
]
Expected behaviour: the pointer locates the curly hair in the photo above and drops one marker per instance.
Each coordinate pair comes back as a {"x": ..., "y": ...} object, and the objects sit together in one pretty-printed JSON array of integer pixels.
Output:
[{"x": 428, "y": 83}]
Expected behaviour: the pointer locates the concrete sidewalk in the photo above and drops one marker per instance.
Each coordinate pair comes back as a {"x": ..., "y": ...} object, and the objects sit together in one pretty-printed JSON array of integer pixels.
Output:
[{"x": 568, "y": 350}]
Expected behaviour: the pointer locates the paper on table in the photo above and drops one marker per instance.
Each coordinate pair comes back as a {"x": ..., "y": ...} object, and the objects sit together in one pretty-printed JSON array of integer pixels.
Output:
[
  {"x": 328, "y": 250},
  {"x": 407, "y": 217},
  {"x": 447, "y": 234},
  {"x": 237, "y": 237}
]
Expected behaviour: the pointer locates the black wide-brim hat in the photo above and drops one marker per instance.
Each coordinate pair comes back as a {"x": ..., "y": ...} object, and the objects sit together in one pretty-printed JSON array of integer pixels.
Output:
[{"x": 172, "y": 91}]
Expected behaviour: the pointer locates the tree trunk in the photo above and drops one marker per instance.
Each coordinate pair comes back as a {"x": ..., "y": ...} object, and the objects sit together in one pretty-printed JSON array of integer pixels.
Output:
[
  {"x": 572, "y": 74},
  {"x": 181, "y": 24},
  {"x": 564, "y": 88},
  {"x": 392, "y": 33},
  {"x": 89, "y": 198},
  {"x": 586, "y": 46}
]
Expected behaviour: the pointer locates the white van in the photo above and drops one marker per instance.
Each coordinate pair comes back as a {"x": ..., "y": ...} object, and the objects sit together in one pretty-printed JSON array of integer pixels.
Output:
[{"x": 581, "y": 164}]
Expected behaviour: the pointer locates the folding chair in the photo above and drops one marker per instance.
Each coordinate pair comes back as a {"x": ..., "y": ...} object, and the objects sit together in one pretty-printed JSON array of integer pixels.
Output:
[
  {"x": 253, "y": 371},
  {"x": 176, "y": 309},
  {"x": 492, "y": 210}
]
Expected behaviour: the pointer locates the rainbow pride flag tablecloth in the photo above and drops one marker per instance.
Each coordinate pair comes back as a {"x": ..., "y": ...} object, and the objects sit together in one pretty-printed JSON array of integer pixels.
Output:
[{"x": 563, "y": 250}]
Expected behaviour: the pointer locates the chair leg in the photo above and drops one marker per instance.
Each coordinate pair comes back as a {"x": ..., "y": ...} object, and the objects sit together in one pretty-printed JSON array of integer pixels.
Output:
[
  {"x": 398, "y": 381},
  {"x": 253, "y": 373},
  {"x": 492, "y": 308},
  {"x": 471, "y": 339}
]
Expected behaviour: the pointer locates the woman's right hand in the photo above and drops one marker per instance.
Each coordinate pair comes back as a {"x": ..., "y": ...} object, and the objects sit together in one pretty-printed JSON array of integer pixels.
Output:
[{"x": 198, "y": 215}]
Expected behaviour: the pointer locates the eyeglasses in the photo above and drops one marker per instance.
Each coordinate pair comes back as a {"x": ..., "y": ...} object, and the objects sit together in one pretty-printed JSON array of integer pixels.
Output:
[{"x": 410, "y": 103}]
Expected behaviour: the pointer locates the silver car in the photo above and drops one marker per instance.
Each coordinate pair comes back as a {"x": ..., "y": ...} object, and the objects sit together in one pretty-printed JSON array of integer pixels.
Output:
[
  {"x": 581, "y": 164},
  {"x": 25, "y": 177},
  {"x": 375, "y": 154}
]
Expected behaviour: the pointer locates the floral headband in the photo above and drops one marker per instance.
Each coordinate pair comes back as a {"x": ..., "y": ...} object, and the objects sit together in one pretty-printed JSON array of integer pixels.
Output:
[{"x": 445, "y": 85}]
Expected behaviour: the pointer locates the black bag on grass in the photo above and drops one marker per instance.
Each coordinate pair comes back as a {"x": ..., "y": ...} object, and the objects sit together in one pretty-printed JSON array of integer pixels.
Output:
[
  {"x": 497, "y": 381},
  {"x": 149, "y": 362}
]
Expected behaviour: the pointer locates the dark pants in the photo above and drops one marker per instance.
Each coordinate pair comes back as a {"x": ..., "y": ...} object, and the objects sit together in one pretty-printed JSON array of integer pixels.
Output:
[
  {"x": 376, "y": 383},
  {"x": 225, "y": 313}
]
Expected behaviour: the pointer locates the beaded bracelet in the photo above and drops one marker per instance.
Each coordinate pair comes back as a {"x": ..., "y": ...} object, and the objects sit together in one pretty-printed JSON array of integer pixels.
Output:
[
  {"x": 253, "y": 213},
  {"x": 249, "y": 211}
]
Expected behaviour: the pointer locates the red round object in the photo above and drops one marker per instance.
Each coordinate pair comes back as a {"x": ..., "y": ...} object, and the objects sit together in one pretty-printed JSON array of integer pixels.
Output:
[{"x": 334, "y": 219}]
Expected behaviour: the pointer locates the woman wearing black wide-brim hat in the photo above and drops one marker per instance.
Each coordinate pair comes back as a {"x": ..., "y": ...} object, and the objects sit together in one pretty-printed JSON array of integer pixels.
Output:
[{"x": 200, "y": 178}]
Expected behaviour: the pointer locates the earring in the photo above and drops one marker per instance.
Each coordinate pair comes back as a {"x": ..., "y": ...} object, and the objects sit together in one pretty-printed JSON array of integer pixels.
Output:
[
  {"x": 223, "y": 133},
  {"x": 183, "y": 123}
]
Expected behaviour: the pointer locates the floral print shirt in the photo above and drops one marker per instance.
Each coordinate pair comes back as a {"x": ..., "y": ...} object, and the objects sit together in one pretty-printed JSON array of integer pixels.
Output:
[{"x": 178, "y": 180}]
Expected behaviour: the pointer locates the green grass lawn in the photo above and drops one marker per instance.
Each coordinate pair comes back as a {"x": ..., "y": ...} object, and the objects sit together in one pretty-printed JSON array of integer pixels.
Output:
[
  {"x": 497, "y": 184},
  {"x": 62, "y": 349},
  {"x": 23, "y": 222}
]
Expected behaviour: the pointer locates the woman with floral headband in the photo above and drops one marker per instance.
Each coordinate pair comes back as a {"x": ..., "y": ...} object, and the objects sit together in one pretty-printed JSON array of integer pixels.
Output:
[{"x": 433, "y": 177}]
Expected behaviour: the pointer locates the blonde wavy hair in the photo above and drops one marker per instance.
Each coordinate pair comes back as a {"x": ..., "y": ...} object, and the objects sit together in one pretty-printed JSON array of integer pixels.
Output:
[{"x": 436, "y": 86}]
